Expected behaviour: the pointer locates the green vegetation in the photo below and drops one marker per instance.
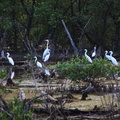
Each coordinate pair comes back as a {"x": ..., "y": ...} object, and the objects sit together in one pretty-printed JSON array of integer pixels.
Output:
[
  {"x": 28, "y": 22},
  {"x": 17, "y": 111},
  {"x": 80, "y": 69},
  {"x": 3, "y": 73}
]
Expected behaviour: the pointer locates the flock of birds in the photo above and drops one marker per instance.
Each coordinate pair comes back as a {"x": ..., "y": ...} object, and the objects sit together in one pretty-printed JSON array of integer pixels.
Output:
[
  {"x": 109, "y": 57},
  {"x": 46, "y": 56}
]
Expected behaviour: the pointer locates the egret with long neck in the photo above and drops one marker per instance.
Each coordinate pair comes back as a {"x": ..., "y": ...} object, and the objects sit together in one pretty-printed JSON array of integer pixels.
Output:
[
  {"x": 114, "y": 61},
  {"x": 88, "y": 58},
  {"x": 46, "y": 53},
  {"x": 37, "y": 62},
  {"x": 107, "y": 56},
  {"x": 10, "y": 59}
]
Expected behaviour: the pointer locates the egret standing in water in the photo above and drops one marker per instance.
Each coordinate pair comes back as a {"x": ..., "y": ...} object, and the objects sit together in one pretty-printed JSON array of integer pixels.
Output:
[
  {"x": 46, "y": 51},
  {"x": 88, "y": 58},
  {"x": 107, "y": 56},
  {"x": 94, "y": 52},
  {"x": 37, "y": 62},
  {"x": 10, "y": 59},
  {"x": 114, "y": 61}
]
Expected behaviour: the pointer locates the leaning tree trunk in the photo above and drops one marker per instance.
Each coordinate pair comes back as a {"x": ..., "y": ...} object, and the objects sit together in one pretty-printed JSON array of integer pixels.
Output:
[{"x": 71, "y": 40}]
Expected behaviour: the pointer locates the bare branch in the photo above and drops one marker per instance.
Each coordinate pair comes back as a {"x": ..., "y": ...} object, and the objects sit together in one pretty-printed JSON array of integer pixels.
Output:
[
  {"x": 83, "y": 29},
  {"x": 71, "y": 40},
  {"x": 7, "y": 113}
]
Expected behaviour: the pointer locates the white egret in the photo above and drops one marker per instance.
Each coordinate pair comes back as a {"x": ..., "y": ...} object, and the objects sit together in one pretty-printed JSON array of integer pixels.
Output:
[
  {"x": 46, "y": 58},
  {"x": 94, "y": 52},
  {"x": 12, "y": 75},
  {"x": 88, "y": 58},
  {"x": 47, "y": 72},
  {"x": 114, "y": 61},
  {"x": 107, "y": 56},
  {"x": 47, "y": 51},
  {"x": 10, "y": 59},
  {"x": 37, "y": 62}
]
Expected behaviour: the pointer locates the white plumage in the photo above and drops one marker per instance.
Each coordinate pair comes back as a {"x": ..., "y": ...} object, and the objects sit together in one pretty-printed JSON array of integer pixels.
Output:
[
  {"x": 46, "y": 52},
  {"x": 88, "y": 58},
  {"x": 46, "y": 58},
  {"x": 37, "y": 62},
  {"x": 10, "y": 59},
  {"x": 12, "y": 75},
  {"x": 94, "y": 52},
  {"x": 114, "y": 61},
  {"x": 47, "y": 72},
  {"x": 107, "y": 56}
]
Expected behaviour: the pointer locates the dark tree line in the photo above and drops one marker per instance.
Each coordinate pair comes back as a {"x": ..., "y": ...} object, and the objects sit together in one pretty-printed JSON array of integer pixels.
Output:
[{"x": 27, "y": 23}]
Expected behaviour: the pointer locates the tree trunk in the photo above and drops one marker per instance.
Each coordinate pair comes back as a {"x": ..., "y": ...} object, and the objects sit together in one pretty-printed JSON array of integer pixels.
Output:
[{"x": 71, "y": 40}]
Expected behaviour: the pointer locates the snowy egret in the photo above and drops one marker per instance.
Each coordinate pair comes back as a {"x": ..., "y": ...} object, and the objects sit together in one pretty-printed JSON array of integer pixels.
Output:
[
  {"x": 88, "y": 58},
  {"x": 47, "y": 51},
  {"x": 37, "y": 62},
  {"x": 114, "y": 61},
  {"x": 94, "y": 52},
  {"x": 107, "y": 56},
  {"x": 10, "y": 59},
  {"x": 47, "y": 56}
]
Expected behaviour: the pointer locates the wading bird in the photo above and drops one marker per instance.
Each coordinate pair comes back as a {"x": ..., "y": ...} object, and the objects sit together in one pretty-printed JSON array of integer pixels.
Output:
[
  {"x": 47, "y": 72},
  {"x": 88, "y": 58},
  {"x": 10, "y": 59},
  {"x": 114, "y": 61},
  {"x": 12, "y": 75},
  {"x": 94, "y": 52},
  {"x": 46, "y": 52},
  {"x": 107, "y": 56},
  {"x": 37, "y": 62},
  {"x": 46, "y": 58}
]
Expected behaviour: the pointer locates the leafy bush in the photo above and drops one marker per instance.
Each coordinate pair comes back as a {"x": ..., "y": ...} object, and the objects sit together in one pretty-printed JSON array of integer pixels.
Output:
[
  {"x": 3, "y": 73},
  {"x": 81, "y": 69},
  {"x": 17, "y": 111}
]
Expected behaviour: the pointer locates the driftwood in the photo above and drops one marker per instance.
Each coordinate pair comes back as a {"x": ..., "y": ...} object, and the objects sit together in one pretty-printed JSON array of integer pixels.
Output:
[
  {"x": 86, "y": 91},
  {"x": 76, "y": 113}
]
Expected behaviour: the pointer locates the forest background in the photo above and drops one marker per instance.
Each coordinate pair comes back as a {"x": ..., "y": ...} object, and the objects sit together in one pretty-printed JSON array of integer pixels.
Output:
[{"x": 25, "y": 24}]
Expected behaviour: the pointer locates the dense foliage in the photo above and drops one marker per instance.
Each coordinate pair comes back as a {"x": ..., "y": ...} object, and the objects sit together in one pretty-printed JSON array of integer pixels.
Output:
[
  {"x": 17, "y": 111},
  {"x": 81, "y": 69},
  {"x": 28, "y": 22},
  {"x": 3, "y": 73}
]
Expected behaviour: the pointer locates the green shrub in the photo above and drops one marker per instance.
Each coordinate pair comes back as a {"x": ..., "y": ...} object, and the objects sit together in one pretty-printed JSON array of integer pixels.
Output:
[
  {"x": 3, "y": 73},
  {"x": 81, "y": 69},
  {"x": 17, "y": 110}
]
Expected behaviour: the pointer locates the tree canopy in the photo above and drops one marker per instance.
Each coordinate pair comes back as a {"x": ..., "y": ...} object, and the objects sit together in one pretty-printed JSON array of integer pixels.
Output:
[{"x": 26, "y": 23}]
